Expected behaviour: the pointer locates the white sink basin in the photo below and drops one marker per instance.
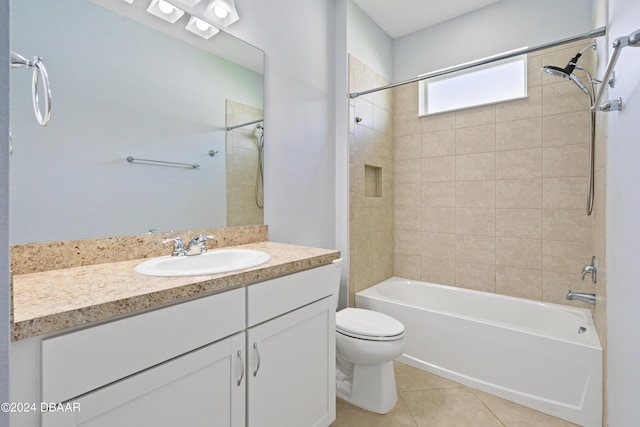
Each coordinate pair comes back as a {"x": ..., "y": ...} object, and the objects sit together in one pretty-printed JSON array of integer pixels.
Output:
[{"x": 211, "y": 262}]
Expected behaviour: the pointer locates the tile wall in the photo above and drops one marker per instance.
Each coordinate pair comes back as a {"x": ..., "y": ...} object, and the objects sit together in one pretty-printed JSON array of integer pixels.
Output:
[
  {"x": 490, "y": 198},
  {"x": 371, "y": 181},
  {"x": 493, "y": 198},
  {"x": 242, "y": 166}
]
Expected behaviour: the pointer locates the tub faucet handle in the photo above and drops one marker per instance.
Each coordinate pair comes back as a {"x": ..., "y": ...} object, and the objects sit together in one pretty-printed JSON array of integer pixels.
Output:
[{"x": 591, "y": 269}]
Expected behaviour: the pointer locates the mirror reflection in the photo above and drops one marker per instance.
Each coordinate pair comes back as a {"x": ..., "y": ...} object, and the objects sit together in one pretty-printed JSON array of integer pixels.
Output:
[{"x": 122, "y": 89}]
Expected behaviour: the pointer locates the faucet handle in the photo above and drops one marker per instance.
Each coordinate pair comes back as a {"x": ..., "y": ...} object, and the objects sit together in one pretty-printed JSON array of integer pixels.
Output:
[{"x": 178, "y": 247}]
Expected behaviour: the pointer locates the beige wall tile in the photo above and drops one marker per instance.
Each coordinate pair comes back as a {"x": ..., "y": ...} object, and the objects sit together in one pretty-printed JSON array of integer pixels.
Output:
[
  {"x": 563, "y": 224},
  {"x": 519, "y": 134},
  {"x": 475, "y": 167},
  {"x": 566, "y": 129},
  {"x": 437, "y": 122},
  {"x": 519, "y": 194},
  {"x": 407, "y": 218},
  {"x": 480, "y": 277},
  {"x": 439, "y": 194},
  {"x": 438, "y": 220},
  {"x": 407, "y": 242},
  {"x": 516, "y": 164},
  {"x": 563, "y": 97},
  {"x": 476, "y": 116},
  {"x": 407, "y": 147},
  {"x": 566, "y": 160},
  {"x": 407, "y": 266},
  {"x": 566, "y": 257},
  {"x": 409, "y": 170},
  {"x": 521, "y": 109},
  {"x": 476, "y": 139},
  {"x": 519, "y": 282},
  {"x": 438, "y": 245},
  {"x": 404, "y": 124},
  {"x": 438, "y": 270},
  {"x": 441, "y": 143},
  {"x": 479, "y": 249},
  {"x": 564, "y": 193},
  {"x": 534, "y": 75},
  {"x": 477, "y": 222},
  {"x": 475, "y": 194},
  {"x": 438, "y": 169},
  {"x": 407, "y": 194},
  {"x": 520, "y": 223},
  {"x": 520, "y": 253}
]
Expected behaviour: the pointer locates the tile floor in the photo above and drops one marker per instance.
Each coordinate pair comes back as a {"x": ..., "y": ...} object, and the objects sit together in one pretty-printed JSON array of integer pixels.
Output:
[{"x": 426, "y": 400}]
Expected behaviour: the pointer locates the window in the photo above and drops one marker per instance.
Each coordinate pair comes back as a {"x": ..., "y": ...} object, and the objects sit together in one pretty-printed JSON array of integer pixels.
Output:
[{"x": 498, "y": 81}]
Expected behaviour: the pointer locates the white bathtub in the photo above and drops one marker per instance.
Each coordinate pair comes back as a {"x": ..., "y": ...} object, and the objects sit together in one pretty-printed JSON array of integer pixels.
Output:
[{"x": 544, "y": 356}]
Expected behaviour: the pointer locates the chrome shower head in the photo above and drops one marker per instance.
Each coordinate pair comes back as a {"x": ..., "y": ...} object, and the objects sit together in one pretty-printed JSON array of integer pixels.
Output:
[
  {"x": 567, "y": 71},
  {"x": 555, "y": 71}
]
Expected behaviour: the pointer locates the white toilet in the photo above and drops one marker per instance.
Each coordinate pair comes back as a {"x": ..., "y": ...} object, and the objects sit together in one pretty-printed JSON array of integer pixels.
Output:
[{"x": 366, "y": 344}]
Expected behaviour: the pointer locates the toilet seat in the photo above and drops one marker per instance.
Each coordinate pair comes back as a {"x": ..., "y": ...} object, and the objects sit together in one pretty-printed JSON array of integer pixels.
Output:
[{"x": 368, "y": 325}]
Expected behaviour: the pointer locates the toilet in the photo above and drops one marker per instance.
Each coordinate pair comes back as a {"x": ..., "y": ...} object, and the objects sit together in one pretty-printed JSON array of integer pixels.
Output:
[{"x": 366, "y": 344}]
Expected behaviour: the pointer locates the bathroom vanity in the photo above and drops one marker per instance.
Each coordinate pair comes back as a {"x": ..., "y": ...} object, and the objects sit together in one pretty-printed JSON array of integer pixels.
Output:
[{"x": 248, "y": 348}]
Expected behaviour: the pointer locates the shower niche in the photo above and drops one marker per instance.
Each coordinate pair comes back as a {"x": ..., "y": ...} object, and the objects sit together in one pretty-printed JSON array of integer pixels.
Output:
[{"x": 372, "y": 181}]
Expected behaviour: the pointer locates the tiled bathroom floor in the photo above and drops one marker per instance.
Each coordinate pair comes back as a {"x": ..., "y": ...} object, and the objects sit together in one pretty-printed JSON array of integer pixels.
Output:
[{"x": 426, "y": 400}]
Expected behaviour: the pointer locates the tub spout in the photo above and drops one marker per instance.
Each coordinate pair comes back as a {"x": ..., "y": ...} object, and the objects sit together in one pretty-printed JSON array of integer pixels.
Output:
[{"x": 590, "y": 298}]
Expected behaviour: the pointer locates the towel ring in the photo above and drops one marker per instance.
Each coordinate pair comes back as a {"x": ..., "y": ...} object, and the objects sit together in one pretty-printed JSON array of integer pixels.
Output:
[{"x": 43, "y": 115}]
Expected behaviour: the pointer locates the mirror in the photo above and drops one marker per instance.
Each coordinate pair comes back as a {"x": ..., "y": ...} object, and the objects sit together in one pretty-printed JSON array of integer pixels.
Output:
[{"x": 122, "y": 89}]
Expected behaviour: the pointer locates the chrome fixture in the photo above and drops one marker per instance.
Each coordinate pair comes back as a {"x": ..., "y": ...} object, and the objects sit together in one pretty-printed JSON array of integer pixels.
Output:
[
  {"x": 39, "y": 70},
  {"x": 189, "y": 165},
  {"x": 590, "y": 91},
  {"x": 241, "y": 125},
  {"x": 178, "y": 247},
  {"x": 589, "y": 298},
  {"x": 591, "y": 269},
  {"x": 200, "y": 241},
  {"x": 632, "y": 39}
]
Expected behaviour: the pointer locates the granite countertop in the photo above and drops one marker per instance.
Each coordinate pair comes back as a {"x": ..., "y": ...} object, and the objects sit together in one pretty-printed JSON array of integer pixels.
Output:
[{"x": 54, "y": 300}]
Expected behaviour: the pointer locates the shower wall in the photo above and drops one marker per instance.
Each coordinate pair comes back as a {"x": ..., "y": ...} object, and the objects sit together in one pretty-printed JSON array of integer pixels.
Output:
[
  {"x": 242, "y": 166},
  {"x": 493, "y": 198},
  {"x": 371, "y": 180}
]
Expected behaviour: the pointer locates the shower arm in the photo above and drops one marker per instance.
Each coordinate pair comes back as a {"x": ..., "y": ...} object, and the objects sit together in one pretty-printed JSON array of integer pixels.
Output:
[{"x": 631, "y": 40}]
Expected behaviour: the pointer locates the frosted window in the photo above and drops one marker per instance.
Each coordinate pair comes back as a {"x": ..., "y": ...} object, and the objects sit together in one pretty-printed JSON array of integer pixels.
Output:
[{"x": 487, "y": 84}]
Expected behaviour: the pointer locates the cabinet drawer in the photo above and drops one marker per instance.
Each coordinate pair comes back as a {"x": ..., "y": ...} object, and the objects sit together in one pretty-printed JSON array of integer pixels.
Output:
[
  {"x": 272, "y": 298},
  {"x": 81, "y": 361}
]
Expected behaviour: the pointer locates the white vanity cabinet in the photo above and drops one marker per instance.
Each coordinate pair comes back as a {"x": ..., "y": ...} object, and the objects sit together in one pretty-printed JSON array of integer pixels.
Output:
[{"x": 262, "y": 355}]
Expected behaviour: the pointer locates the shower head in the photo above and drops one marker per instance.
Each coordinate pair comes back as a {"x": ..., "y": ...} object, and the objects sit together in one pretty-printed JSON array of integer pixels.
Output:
[{"x": 567, "y": 71}]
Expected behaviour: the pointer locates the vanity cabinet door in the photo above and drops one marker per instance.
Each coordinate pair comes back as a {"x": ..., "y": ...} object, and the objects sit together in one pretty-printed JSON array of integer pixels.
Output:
[
  {"x": 206, "y": 387},
  {"x": 291, "y": 368}
]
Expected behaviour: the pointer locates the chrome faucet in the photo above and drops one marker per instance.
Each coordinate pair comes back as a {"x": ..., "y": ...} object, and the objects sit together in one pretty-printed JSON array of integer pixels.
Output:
[
  {"x": 590, "y": 298},
  {"x": 178, "y": 247},
  {"x": 199, "y": 241},
  {"x": 592, "y": 269}
]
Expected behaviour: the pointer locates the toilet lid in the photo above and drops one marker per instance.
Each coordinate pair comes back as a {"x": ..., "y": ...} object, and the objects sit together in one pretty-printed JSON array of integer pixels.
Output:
[{"x": 368, "y": 324}]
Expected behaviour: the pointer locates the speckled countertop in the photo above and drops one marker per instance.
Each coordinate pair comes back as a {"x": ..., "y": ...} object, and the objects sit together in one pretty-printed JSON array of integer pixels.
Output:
[{"x": 53, "y": 300}]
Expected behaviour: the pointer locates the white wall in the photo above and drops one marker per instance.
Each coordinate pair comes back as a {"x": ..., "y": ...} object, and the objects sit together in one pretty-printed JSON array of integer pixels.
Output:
[
  {"x": 497, "y": 28},
  {"x": 623, "y": 225},
  {"x": 299, "y": 176},
  {"x": 368, "y": 42},
  {"x": 4, "y": 211},
  {"x": 119, "y": 89}
]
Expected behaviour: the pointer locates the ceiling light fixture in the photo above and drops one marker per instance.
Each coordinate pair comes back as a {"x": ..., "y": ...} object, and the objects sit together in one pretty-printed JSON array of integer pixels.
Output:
[
  {"x": 190, "y": 3},
  {"x": 165, "y": 10},
  {"x": 221, "y": 12},
  {"x": 201, "y": 28}
]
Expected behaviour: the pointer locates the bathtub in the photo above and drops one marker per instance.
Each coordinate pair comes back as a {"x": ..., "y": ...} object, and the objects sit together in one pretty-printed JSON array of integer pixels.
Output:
[{"x": 541, "y": 355}]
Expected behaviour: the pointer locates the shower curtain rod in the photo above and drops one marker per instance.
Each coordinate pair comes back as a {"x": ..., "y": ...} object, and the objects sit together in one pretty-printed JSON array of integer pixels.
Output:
[
  {"x": 245, "y": 124},
  {"x": 599, "y": 32}
]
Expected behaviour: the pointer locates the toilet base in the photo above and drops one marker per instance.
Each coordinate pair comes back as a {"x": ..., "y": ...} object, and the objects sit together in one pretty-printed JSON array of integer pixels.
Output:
[{"x": 370, "y": 387}]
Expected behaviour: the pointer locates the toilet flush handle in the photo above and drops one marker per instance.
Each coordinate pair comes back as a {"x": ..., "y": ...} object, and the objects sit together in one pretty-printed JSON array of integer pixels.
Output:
[{"x": 255, "y": 347}]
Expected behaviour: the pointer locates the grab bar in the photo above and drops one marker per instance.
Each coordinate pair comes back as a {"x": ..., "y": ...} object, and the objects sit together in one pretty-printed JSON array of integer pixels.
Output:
[
  {"x": 189, "y": 165},
  {"x": 18, "y": 61},
  {"x": 632, "y": 39}
]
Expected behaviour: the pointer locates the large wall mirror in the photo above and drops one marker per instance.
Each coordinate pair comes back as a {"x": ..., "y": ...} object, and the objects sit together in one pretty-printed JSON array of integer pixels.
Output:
[{"x": 127, "y": 84}]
